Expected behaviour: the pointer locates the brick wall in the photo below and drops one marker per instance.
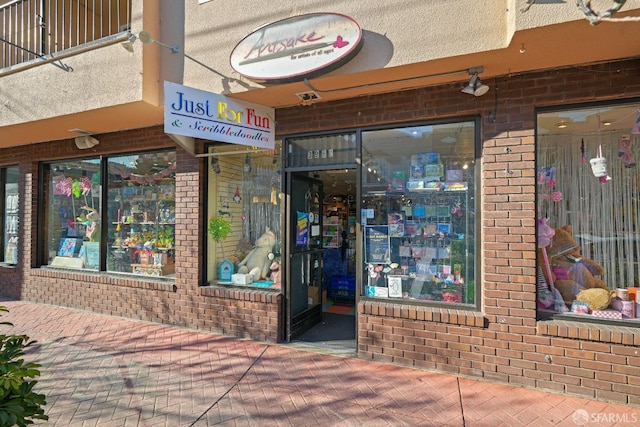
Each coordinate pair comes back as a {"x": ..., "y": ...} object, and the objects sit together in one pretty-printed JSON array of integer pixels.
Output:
[
  {"x": 180, "y": 301},
  {"x": 503, "y": 342}
]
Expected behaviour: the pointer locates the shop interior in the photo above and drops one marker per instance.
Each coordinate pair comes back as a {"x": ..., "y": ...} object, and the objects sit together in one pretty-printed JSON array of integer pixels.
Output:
[{"x": 336, "y": 331}]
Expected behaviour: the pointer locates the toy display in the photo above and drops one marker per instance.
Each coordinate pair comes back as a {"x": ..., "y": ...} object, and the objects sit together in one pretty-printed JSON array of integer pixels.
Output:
[
  {"x": 258, "y": 260},
  {"x": 567, "y": 270}
]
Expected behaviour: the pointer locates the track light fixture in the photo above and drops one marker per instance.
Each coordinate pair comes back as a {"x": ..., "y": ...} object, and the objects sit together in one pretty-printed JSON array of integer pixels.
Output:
[
  {"x": 146, "y": 38},
  {"x": 475, "y": 86},
  {"x": 129, "y": 43}
]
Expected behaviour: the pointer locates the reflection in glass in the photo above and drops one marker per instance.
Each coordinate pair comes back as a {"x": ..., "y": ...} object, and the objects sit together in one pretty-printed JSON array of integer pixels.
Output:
[
  {"x": 73, "y": 209},
  {"x": 141, "y": 214},
  {"x": 418, "y": 206}
]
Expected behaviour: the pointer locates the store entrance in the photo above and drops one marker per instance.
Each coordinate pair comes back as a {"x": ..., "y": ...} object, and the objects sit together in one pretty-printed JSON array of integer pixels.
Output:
[{"x": 322, "y": 268}]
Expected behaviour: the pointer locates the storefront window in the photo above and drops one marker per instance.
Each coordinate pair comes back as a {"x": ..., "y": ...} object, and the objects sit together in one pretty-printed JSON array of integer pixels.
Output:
[
  {"x": 244, "y": 216},
  {"x": 588, "y": 210},
  {"x": 138, "y": 218},
  {"x": 141, "y": 214},
  {"x": 9, "y": 197},
  {"x": 72, "y": 212},
  {"x": 418, "y": 213}
]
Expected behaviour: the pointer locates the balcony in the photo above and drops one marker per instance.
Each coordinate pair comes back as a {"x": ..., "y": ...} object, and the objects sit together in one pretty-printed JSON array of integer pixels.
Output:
[
  {"x": 32, "y": 30},
  {"x": 62, "y": 66}
]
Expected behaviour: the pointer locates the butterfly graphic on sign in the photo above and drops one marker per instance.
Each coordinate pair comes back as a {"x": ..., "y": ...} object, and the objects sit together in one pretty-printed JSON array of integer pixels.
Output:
[{"x": 340, "y": 43}]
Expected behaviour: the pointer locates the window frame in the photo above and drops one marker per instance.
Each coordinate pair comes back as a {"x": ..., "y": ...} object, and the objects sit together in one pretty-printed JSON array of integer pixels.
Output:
[
  {"x": 543, "y": 315},
  {"x": 42, "y": 248},
  {"x": 3, "y": 211},
  {"x": 477, "y": 187}
]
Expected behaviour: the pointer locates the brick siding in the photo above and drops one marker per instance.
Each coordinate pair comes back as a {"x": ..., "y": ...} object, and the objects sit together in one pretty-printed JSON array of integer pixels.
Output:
[
  {"x": 502, "y": 342},
  {"x": 180, "y": 301}
]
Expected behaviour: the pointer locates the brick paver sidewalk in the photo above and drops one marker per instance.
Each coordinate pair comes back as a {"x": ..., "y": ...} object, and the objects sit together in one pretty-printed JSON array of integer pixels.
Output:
[{"x": 106, "y": 371}]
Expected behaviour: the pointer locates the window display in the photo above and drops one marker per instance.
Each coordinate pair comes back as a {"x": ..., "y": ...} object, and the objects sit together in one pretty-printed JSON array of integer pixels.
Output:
[
  {"x": 244, "y": 203},
  {"x": 9, "y": 178},
  {"x": 588, "y": 207},
  {"x": 141, "y": 214},
  {"x": 72, "y": 211},
  {"x": 418, "y": 213}
]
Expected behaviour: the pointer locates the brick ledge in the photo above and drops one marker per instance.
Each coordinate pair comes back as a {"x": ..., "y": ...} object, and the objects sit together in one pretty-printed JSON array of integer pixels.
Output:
[
  {"x": 420, "y": 312},
  {"x": 613, "y": 334},
  {"x": 139, "y": 282},
  {"x": 242, "y": 294}
]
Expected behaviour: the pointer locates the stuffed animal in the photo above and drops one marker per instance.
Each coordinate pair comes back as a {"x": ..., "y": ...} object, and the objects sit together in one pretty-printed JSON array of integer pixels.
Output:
[
  {"x": 258, "y": 260},
  {"x": 91, "y": 220},
  {"x": 571, "y": 272},
  {"x": 274, "y": 275}
]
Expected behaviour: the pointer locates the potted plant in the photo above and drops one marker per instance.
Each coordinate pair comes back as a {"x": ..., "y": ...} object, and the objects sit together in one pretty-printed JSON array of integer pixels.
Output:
[{"x": 219, "y": 228}]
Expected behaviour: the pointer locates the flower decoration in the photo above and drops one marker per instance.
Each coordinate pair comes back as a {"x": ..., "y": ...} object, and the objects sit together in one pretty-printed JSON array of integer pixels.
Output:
[
  {"x": 62, "y": 185},
  {"x": 556, "y": 196},
  {"x": 85, "y": 185},
  {"x": 76, "y": 189}
]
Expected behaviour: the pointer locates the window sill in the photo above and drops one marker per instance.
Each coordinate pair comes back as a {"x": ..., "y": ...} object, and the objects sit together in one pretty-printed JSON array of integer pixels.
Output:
[
  {"x": 8, "y": 265},
  {"x": 403, "y": 310},
  {"x": 590, "y": 329},
  {"x": 244, "y": 293},
  {"x": 92, "y": 276}
]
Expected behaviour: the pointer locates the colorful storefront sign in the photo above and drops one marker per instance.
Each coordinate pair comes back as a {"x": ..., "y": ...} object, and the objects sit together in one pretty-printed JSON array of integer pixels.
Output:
[{"x": 200, "y": 114}]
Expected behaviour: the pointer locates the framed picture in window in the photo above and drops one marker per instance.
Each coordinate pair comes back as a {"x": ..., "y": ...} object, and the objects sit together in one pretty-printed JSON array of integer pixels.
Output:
[{"x": 69, "y": 247}]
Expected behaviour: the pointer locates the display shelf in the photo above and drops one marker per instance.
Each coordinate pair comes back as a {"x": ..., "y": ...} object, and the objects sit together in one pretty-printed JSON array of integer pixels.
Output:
[
  {"x": 11, "y": 227},
  {"x": 331, "y": 235},
  {"x": 423, "y": 239},
  {"x": 141, "y": 233}
]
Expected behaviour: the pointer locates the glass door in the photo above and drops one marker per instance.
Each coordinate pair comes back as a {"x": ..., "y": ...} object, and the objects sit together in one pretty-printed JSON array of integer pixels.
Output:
[{"x": 304, "y": 269}]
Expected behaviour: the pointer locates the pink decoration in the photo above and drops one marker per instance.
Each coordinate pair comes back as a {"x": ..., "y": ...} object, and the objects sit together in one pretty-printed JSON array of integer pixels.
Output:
[
  {"x": 545, "y": 233},
  {"x": 451, "y": 297},
  {"x": 556, "y": 196},
  {"x": 85, "y": 185}
]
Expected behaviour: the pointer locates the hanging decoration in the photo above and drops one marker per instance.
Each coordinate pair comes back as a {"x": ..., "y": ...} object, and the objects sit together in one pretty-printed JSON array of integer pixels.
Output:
[
  {"x": 599, "y": 166},
  {"x": 247, "y": 163},
  {"x": 215, "y": 164},
  {"x": 236, "y": 197},
  {"x": 636, "y": 124},
  {"x": 125, "y": 173},
  {"x": 624, "y": 152}
]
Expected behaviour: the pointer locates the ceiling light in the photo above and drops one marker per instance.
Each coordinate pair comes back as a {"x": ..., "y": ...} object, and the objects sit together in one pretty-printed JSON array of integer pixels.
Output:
[
  {"x": 475, "y": 86},
  {"x": 606, "y": 123},
  {"x": 308, "y": 98},
  {"x": 562, "y": 125}
]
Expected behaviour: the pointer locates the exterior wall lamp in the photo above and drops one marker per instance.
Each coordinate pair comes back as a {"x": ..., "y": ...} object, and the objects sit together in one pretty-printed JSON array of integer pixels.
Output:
[
  {"x": 475, "y": 86},
  {"x": 146, "y": 38}
]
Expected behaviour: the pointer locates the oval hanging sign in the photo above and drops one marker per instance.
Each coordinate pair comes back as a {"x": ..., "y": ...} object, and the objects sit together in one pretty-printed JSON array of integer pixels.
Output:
[{"x": 297, "y": 47}]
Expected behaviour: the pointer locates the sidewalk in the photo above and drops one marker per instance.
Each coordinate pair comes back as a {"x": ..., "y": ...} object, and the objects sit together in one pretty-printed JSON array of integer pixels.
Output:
[{"x": 107, "y": 371}]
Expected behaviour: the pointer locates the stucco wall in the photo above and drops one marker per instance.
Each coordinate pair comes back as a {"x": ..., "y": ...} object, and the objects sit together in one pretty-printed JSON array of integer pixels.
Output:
[{"x": 395, "y": 34}]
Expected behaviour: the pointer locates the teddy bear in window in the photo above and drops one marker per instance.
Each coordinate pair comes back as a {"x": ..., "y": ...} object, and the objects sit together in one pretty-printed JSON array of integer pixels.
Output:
[{"x": 258, "y": 260}]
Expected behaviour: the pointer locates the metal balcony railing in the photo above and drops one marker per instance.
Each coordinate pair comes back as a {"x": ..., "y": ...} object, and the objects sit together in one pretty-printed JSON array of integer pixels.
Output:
[{"x": 36, "y": 29}]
